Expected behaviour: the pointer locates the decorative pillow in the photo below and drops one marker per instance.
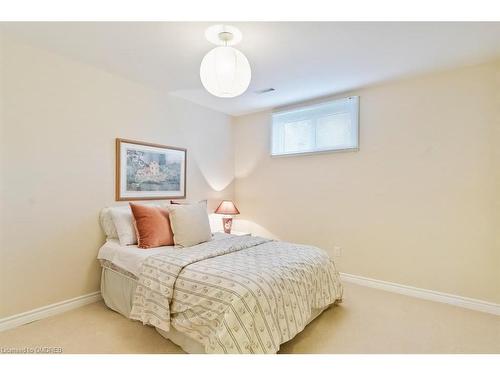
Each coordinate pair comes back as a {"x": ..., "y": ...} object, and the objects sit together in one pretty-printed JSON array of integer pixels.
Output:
[
  {"x": 190, "y": 224},
  {"x": 152, "y": 225}
]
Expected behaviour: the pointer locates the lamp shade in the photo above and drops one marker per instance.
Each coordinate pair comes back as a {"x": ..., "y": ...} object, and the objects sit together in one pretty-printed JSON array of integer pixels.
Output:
[
  {"x": 225, "y": 72},
  {"x": 227, "y": 208}
]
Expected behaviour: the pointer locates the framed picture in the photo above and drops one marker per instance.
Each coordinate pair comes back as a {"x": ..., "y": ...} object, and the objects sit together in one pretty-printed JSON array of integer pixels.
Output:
[{"x": 149, "y": 171}]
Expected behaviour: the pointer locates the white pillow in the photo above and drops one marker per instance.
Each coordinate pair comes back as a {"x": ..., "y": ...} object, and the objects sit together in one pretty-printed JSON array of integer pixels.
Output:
[
  {"x": 107, "y": 224},
  {"x": 118, "y": 222},
  {"x": 189, "y": 224},
  {"x": 124, "y": 224}
]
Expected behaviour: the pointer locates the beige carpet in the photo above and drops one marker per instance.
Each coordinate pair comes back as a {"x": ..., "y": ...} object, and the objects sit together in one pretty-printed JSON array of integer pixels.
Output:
[{"x": 368, "y": 321}]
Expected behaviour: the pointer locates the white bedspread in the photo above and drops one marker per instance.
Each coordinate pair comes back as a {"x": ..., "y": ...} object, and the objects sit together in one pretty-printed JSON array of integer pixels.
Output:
[{"x": 238, "y": 294}]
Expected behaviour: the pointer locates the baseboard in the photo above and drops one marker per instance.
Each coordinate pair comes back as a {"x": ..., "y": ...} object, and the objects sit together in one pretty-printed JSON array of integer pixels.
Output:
[
  {"x": 431, "y": 295},
  {"x": 49, "y": 310}
]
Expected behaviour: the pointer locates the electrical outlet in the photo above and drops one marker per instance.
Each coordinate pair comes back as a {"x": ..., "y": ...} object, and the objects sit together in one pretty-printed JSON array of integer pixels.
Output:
[{"x": 337, "y": 251}]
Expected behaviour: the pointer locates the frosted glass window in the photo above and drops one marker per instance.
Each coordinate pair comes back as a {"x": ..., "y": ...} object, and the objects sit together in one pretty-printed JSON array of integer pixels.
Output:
[
  {"x": 298, "y": 136},
  {"x": 334, "y": 131},
  {"x": 329, "y": 126}
]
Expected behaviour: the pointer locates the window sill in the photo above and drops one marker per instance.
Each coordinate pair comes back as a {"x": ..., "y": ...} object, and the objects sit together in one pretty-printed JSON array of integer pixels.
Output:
[{"x": 308, "y": 153}]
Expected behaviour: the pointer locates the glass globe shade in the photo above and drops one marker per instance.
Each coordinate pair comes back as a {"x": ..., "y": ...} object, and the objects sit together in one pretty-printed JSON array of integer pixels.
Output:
[{"x": 225, "y": 72}]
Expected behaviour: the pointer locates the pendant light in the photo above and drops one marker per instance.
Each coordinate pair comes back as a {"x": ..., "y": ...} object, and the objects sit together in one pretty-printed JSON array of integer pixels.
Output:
[{"x": 225, "y": 71}]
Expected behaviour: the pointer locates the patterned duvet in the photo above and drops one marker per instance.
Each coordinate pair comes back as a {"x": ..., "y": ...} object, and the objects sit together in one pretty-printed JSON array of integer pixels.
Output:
[{"x": 239, "y": 294}]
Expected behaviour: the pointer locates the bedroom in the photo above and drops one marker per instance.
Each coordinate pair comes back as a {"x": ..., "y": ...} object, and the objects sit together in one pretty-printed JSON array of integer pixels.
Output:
[{"x": 340, "y": 200}]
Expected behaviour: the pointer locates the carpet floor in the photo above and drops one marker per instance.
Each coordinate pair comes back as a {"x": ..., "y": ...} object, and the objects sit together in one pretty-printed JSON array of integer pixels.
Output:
[{"x": 367, "y": 321}]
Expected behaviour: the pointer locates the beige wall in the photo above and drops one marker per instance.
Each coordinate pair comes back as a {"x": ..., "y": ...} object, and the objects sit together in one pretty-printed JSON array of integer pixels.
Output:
[
  {"x": 417, "y": 205},
  {"x": 59, "y": 120}
]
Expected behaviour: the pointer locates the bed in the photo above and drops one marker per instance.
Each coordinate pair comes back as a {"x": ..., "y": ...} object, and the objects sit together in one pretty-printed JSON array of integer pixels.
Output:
[{"x": 233, "y": 294}]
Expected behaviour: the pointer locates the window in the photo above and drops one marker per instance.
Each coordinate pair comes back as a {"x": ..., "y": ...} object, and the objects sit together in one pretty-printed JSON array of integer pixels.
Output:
[{"x": 320, "y": 127}]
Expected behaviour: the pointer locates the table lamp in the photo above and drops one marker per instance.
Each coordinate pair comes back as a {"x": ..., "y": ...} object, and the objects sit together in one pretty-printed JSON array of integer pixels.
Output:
[{"x": 227, "y": 208}]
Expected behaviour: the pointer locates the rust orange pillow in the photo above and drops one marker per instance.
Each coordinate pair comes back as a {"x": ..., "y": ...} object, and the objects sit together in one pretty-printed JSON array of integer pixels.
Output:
[{"x": 152, "y": 226}]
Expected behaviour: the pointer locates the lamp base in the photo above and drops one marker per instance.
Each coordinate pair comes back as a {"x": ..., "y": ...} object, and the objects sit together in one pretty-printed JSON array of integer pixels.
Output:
[{"x": 227, "y": 223}]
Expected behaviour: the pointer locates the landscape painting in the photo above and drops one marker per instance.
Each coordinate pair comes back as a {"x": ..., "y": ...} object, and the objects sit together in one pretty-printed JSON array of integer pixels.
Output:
[{"x": 149, "y": 171}]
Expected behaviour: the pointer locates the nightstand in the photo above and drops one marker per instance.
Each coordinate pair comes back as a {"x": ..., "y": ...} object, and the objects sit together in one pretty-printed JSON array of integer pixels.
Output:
[{"x": 236, "y": 233}]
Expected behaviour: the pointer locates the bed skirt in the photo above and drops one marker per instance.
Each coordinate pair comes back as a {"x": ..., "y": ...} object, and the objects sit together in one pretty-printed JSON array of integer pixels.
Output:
[{"x": 118, "y": 289}]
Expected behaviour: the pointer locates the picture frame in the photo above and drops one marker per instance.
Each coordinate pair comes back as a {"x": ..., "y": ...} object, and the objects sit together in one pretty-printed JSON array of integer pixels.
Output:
[{"x": 149, "y": 171}]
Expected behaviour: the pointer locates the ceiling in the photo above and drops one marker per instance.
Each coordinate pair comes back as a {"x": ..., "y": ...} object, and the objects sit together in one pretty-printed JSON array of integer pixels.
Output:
[{"x": 300, "y": 60}]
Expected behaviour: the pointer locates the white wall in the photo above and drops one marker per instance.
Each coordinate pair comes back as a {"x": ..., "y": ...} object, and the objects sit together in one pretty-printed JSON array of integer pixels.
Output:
[
  {"x": 419, "y": 204},
  {"x": 59, "y": 120}
]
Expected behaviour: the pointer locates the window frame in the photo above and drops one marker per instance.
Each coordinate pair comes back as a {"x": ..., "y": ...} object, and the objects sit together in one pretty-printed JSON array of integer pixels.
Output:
[{"x": 315, "y": 151}]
